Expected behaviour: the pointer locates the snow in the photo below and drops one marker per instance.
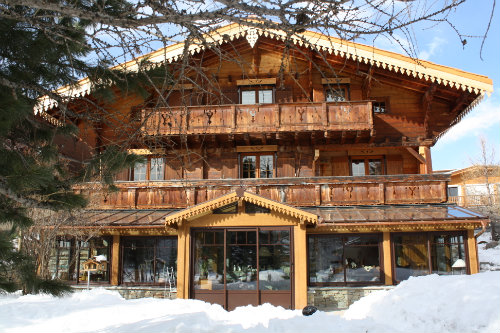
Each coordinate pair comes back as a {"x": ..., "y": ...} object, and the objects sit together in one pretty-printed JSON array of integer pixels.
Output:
[
  {"x": 459, "y": 303},
  {"x": 489, "y": 258}
]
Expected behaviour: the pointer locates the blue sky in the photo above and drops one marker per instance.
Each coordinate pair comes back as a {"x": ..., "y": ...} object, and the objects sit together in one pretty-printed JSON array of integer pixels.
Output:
[{"x": 440, "y": 44}]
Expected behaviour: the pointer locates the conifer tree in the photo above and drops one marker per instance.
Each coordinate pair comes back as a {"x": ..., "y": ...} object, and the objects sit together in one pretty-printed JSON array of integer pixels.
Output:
[{"x": 40, "y": 51}]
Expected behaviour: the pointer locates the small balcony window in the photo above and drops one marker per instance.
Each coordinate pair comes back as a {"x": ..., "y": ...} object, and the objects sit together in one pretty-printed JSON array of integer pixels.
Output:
[
  {"x": 257, "y": 166},
  {"x": 257, "y": 95},
  {"x": 367, "y": 166},
  {"x": 152, "y": 169},
  {"x": 336, "y": 94}
]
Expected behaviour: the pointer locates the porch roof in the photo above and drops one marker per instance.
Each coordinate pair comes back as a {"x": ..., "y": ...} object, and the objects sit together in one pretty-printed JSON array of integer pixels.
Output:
[
  {"x": 112, "y": 218},
  {"x": 239, "y": 195},
  {"x": 397, "y": 216}
]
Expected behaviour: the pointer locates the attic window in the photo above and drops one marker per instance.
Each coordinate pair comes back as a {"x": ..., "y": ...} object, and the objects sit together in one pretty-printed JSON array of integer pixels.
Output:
[
  {"x": 232, "y": 208},
  {"x": 379, "y": 107},
  {"x": 251, "y": 208}
]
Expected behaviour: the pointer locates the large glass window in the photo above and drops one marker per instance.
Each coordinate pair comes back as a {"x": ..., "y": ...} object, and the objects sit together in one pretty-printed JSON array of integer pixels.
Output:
[
  {"x": 257, "y": 166},
  {"x": 157, "y": 168},
  {"x": 426, "y": 253},
  {"x": 149, "y": 260},
  {"x": 209, "y": 260},
  {"x": 274, "y": 260},
  {"x": 337, "y": 259},
  {"x": 69, "y": 256}
]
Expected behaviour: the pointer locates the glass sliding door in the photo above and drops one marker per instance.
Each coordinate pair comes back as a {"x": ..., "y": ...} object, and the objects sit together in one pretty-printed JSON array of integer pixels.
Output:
[{"x": 241, "y": 266}]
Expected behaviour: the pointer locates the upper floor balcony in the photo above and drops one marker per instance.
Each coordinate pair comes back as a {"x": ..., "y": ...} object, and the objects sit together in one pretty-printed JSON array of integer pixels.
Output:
[
  {"x": 258, "y": 118},
  {"x": 296, "y": 191}
]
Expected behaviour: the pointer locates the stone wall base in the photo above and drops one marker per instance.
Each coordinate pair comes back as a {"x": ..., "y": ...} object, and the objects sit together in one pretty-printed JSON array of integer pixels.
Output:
[
  {"x": 338, "y": 298},
  {"x": 137, "y": 292}
]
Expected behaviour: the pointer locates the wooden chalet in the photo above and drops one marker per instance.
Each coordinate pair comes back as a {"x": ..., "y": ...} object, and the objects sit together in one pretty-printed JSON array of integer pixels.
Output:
[{"x": 291, "y": 169}]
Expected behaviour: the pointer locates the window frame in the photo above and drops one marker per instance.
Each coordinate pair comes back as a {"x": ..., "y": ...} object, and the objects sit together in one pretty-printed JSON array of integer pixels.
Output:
[
  {"x": 74, "y": 258},
  {"x": 428, "y": 244},
  {"x": 155, "y": 251},
  {"x": 367, "y": 159},
  {"x": 257, "y": 163},
  {"x": 148, "y": 164},
  {"x": 384, "y": 100},
  {"x": 346, "y": 283},
  {"x": 256, "y": 89},
  {"x": 345, "y": 87}
]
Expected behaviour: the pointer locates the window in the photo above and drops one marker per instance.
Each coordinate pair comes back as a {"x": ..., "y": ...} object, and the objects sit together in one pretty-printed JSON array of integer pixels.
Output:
[
  {"x": 379, "y": 107},
  {"x": 257, "y": 165},
  {"x": 251, "y": 208},
  {"x": 453, "y": 191},
  {"x": 152, "y": 169},
  {"x": 257, "y": 95},
  {"x": 334, "y": 259},
  {"x": 69, "y": 255},
  {"x": 366, "y": 166},
  {"x": 337, "y": 94},
  {"x": 232, "y": 208},
  {"x": 426, "y": 253},
  {"x": 149, "y": 260}
]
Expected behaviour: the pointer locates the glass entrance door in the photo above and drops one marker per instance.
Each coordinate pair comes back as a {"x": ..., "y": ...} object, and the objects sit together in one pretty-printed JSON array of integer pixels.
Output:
[{"x": 237, "y": 267}]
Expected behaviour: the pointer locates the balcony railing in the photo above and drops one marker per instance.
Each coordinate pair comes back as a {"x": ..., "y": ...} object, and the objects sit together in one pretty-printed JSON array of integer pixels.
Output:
[
  {"x": 300, "y": 191},
  {"x": 475, "y": 200},
  {"x": 236, "y": 118}
]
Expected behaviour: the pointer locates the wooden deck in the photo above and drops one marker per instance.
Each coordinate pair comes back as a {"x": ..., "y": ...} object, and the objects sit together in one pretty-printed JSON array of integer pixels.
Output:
[
  {"x": 258, "y": 118},
  {"x": 297, "y": 191}
]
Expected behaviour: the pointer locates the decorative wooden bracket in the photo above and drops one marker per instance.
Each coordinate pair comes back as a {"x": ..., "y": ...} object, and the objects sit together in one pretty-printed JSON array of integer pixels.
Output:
[{"x": 416, "y": 155}]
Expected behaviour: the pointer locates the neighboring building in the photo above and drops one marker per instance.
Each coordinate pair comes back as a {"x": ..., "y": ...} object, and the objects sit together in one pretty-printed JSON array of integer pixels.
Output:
[
  {"x": 307, "y": 183},
  {"x": 478, "y": 185}
]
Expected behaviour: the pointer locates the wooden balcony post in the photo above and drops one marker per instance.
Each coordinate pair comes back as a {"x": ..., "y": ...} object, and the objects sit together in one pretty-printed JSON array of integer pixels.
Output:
[
  {"x": 183, "y": 262},
  {"x": 425, "y": 152},
  {"x": 472, "y": 249},
  {"x": 387, "y": 258},
  {"x": 115, "y": 260}
]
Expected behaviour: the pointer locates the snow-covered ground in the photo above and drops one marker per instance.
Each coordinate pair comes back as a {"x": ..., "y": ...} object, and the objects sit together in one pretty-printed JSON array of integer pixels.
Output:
[{"x": 424, "y": 304}]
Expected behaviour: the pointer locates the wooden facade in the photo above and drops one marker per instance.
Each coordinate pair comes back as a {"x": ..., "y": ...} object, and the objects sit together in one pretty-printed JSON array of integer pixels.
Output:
[{"x": 286, "y": 151}]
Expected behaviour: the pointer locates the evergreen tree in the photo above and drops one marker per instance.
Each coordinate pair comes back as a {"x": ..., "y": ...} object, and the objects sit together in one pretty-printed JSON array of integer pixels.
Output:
[{"x": 40, "y": 51}]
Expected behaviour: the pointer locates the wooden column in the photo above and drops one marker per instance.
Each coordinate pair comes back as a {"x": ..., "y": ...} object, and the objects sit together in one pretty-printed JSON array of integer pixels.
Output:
[
  {"x": 425, "y": 168},
  {"x": 300, "y": 270},
  {"x": 115, "y": 260},
  {"x": 386, "y": 246},
  {"x": 183, "y": 262},
  {"x": 472, "y": 249}
]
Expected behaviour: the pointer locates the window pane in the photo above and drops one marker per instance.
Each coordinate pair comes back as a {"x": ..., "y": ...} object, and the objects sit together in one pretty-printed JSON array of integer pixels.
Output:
[
  {"x": 157, "y": 169},
  {"x": 335, "y": 95},
  {"x": 325, "y": 259},
  {"x": 453, "y": 191},
  {"x": 248, "y": 97},
  {"x": 411, "y": 256},
  {"x": 274, "y": 267},
  {"x": 266, "y": 166},
  {"x": 358, "y": 167},
  {"x": 378, "y": 107},
  {"x": 375, "y": 167},
  {"x": 362, "y": 259},
  {"x": 448, "y": 255},
  {"x": 249, "y": 166},
  {"x": 265, "y": 96},
  {"x": 140, "y": 171},
  {"x": 241, "y": 268}
]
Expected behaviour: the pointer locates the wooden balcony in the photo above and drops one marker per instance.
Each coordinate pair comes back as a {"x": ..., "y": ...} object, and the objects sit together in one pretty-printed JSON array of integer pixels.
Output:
[
  {"x": 300, "y": 191},
  {"x": 475, "y": 200},
  {"x": 258, "y": 118}
]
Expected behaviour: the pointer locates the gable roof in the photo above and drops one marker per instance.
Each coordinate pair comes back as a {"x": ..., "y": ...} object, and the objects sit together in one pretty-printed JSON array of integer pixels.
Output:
[
  {"x": 391, "y": 61},
  {"x": 238, "y": 195}
]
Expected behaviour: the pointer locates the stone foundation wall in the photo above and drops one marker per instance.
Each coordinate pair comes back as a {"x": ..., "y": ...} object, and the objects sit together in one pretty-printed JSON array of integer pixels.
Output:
[
  {"x": 338, "y": 298},
  {"x": 138, "y": 292}
]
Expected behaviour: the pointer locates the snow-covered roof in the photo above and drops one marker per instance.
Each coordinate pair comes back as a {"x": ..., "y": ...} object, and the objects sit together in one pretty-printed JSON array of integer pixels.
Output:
[{"x": 391, "y": 61}]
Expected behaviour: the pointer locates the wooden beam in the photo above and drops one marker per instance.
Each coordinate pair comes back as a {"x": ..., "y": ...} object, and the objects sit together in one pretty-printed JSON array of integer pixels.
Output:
[
  {"x": 427, "y": 106},
  {"x": 425, "y": 152},
  {"x": 367, "y": 83},
  {"x": 387, "y": 258},
  {"x": 115, "y": 260},
  {"x": 419, "y": 157},
  {"x": 460, "y": 101}
]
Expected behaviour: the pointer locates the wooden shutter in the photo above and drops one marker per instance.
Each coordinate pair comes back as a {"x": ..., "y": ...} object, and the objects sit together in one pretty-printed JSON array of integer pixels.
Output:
[
  {"x": 394, "y": 164},
  {"x": 340, "y": 166}
]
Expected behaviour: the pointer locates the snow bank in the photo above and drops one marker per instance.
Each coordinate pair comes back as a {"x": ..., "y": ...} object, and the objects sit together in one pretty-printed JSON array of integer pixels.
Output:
[
  {"x": 423, "y": 304},
  {"x": 489, "y": 258}
]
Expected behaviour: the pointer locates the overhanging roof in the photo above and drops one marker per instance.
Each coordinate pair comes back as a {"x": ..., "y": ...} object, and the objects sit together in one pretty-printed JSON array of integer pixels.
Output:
[
  {"x": 207, "y": 207},
  {"x": 391, "y": 61},
  {"x": 120, "y": 218},
  {"x": 397, "y": 216}
]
